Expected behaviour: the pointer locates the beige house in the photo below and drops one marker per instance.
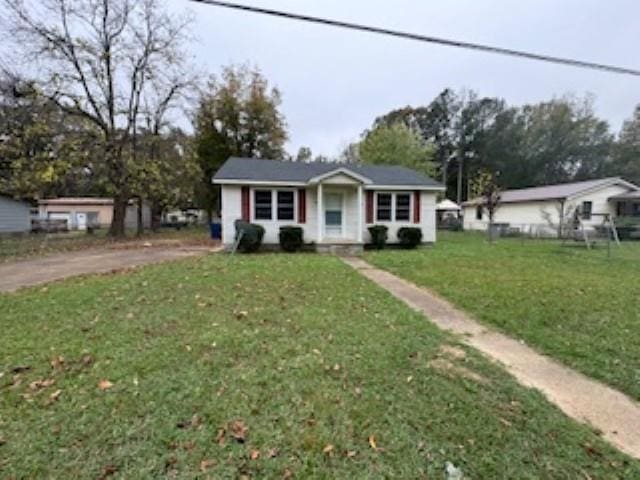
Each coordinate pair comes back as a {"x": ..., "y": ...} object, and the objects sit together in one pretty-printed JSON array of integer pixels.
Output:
[
  {"x": 538, "y": 210},
  {"x": 83, "y": 212}
]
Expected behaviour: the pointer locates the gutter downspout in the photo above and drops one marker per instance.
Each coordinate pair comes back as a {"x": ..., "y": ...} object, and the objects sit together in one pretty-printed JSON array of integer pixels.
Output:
[{"x": 561, "y": 219}]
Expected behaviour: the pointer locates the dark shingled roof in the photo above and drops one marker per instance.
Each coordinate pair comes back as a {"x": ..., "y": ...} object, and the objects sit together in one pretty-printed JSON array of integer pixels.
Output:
[
  {"x": 550, "y": 192},
  {"x": 254, "y": 169}
]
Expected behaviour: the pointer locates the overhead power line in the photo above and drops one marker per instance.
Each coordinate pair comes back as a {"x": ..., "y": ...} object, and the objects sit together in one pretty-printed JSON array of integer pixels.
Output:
[{"x": 424, "y": 38}]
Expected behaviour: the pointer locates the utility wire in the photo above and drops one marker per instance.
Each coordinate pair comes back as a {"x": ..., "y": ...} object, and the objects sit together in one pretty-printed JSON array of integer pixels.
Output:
[{"x": 424, "y": 38}]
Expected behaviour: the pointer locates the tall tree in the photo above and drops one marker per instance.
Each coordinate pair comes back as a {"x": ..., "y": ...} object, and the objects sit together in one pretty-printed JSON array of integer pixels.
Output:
[
  {"x": 43, "y": 151},
  {"x": 626, "y": 153},
  {"x": 238, "y": 115},
  {"x": 97, "y": 60},
  {"x": 397, "y": 144}
]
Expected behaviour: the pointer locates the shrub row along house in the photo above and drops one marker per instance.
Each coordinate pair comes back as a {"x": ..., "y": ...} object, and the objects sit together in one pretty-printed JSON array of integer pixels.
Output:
[
  {"x": 539, "y": 210},
  {"x": 334, "y": 204}
]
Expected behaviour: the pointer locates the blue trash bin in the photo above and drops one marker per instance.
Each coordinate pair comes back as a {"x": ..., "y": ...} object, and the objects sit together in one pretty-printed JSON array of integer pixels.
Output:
[{"x": 216, "y": 230}]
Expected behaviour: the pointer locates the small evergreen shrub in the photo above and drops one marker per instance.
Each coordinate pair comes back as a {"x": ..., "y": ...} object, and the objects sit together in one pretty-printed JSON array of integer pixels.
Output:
[
  {"x": 251, "y": 238},
  {"x": 409, "y": 237},
  {"x": 291, "y": 238},
  {"x": 378, "y": 236}
]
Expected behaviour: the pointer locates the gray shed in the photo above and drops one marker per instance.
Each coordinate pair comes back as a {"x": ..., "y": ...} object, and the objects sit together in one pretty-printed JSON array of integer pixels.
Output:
[{"x": 15, "y": 216}]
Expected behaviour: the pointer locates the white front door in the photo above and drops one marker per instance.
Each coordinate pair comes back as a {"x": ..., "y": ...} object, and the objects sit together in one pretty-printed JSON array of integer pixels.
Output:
[
  {"x": 333, "y": 215},
  {"x": 81, "y": 221}
]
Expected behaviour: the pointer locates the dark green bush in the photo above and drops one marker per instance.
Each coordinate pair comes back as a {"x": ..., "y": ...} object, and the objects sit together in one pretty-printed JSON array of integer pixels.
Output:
[
  {"x": 378, "y": 235},
  {"x": 252, "y": 235},
  {"x": 291, "y": 238},
  {"x": 409, "y": 237}
]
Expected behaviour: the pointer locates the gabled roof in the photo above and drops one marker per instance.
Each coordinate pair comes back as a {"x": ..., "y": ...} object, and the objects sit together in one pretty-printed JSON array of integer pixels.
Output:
[
  {"x": 555, "y": 192},
  {"x": 251, "y": 170}
]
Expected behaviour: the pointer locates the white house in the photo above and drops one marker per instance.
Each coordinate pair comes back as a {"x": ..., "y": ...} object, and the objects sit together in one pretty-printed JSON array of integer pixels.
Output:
[
  {"x": 538, "y": 210},
  {"x": 333, "y": 203}
]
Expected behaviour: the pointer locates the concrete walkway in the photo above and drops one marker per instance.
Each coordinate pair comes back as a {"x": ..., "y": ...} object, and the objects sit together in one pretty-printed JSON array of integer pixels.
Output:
[
  {"x": 26, "y": 273},
  {"x": 586, "y": 400}
]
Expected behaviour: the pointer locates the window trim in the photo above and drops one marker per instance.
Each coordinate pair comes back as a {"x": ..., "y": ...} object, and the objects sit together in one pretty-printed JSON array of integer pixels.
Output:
[
  {"x": 409, "y": 207},
  {"x": 274, "y": 204},
  {"x": 293, "y": 205},
  {"x": 254, "y": 210},
  {"x": 393, "y": 215}
]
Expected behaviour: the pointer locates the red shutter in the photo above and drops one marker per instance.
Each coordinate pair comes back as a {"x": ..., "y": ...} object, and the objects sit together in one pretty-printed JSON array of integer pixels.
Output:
[
  {"x": 302, "y": 205},
  {"x": 416, "y": 206},
  {"x": 246, "y": 209},
  {"x": 369, "y": 206}
]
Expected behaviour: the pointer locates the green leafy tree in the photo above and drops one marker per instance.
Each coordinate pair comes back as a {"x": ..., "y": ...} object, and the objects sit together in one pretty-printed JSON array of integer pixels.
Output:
[
  {"x": 626, "y": 153},
  {"x": 484, "y": 187},
  {"x": 238, "y": 115},
  {"x": 43, "y": 151},
  {"x": 397, "y": 145}
]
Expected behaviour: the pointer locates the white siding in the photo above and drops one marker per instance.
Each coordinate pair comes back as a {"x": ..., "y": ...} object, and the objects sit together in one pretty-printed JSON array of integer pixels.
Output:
[
  {"x": 542, "y": 217},
  {"x": 14, "y": 216}
]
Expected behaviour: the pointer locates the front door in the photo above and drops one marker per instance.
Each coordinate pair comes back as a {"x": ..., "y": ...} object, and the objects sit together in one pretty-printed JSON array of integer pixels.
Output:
[{"x": 333, "y": 215}]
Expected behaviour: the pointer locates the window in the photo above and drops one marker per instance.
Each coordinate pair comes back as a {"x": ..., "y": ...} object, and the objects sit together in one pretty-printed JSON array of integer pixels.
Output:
[
  {"x": 285, "y": 205},
  {"x": 403, "y": 207},
  {"x": 586, "y": 210},
  {"x": 479, "y": 212},
  {"x": 262, "y": 204},
  {"x": 635, "y": 210},
  {"x": 384, "y": 207}
]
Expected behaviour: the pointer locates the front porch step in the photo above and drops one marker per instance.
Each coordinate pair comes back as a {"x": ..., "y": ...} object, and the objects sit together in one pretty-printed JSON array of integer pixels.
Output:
[{"x": 340, "y": 249}]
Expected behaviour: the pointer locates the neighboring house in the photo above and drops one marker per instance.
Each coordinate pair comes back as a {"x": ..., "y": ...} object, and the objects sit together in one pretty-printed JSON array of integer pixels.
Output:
[
  {"x": 334, "y": 203},
  {"x": 15, "y": 215},
  {"x": 84, "y": 212},
  {"x": 447, "y": 209},
  {"x": 538, "y": 210}
]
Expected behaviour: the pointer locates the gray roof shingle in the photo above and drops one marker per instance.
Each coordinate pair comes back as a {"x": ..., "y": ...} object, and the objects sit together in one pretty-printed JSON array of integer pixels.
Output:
[
  {"x": 254, "y": 169},
  {"x": 550, "y": 192}
]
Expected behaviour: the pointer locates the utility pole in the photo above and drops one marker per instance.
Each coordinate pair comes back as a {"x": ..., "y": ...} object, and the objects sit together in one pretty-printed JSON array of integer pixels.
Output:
[{"x": 460, "y": 170}]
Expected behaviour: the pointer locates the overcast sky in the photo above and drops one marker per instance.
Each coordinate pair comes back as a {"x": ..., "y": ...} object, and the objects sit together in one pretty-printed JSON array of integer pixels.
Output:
[{"x": 335, "y": 82}]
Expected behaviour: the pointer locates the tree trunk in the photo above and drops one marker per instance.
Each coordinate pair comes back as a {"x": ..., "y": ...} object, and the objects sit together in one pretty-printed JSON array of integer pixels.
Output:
[
  {"x": 140, "y": 231},
  {"x": 156, "y": 216},
  {"x": 117, "y": 228}
]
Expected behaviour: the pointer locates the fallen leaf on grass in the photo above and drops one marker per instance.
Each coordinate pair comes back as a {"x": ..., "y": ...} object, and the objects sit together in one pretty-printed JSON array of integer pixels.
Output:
[
  {"x": 372, "y": 443},
  {"x": 108, "y": 471},
  {"x": 220, "y": 436},
  {"x": 104, "y": 384},
  {"x": 57, "y": 362},
  {"x": 40, "y": 384},
  {"x": 238, "y": 431},
  {"x": 273, "y": 453},
  {"x": 351, "y": 453},
  {"x": 53, "y": 397},
  {"x": 254, "y": 455},
  {"x": 194, "y": 422},
  {"x": 206, "y": 464},
  {"x": 328, "y": 449}
]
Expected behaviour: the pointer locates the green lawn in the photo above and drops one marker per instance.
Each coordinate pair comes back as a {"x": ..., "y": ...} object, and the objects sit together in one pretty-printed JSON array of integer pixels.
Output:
[
  {"x": 14, "y": 247},
  {"x": 574, "y": 304},
  {"x": 163, "y": 371}
]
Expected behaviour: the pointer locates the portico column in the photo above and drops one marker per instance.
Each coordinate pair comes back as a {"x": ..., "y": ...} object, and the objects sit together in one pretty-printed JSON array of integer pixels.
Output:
[
  {"x": 320, "y": 213},
  {"x": 360, "y": 224}
]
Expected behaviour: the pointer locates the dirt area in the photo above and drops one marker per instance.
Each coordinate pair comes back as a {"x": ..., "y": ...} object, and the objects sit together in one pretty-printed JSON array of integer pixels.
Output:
[
  {"x": 586, "y": 400},
  {"x": 37, "y": 271}
]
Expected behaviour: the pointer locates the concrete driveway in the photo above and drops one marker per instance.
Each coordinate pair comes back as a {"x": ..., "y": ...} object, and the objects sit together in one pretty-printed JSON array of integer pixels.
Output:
[{"x": 37, "y": 271}]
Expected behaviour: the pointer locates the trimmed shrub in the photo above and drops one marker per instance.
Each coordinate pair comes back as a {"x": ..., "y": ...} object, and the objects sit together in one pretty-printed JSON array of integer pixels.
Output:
[
  {"x": 409, "y": 237},
  {"x": 252, "y": 235},
  {"x": 378, "y": 235},
  {"x": 291, "y": 238}
]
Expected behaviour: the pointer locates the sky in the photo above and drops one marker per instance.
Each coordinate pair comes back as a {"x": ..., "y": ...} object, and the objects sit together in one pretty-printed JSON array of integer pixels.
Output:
[{"x": 335, "y": 82}]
